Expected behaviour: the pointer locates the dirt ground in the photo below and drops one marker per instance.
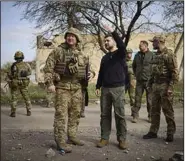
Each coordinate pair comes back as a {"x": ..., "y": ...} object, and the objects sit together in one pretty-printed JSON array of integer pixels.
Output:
[{"x": 29, "y": 138}]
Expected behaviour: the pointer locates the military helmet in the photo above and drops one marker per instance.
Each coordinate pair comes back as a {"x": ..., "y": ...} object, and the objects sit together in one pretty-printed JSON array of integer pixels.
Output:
[
  {"x": 129, "y": 50},
  {"x": 18, "y": 55},
  {"x": 75, "y": 32}
]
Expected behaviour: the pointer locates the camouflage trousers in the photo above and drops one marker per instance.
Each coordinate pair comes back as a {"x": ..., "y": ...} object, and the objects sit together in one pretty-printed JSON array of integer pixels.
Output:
[
  {"x": 131, "y": 95},
  {"x": 25, "y": 95},
  {"x": 130, "y": 89},
  {"x": 85, "y": 99},
  {"x": 160, "y": 99},
  {"x": 140, "y": 87},
  {"x": 67, "y": 103},
  {"x": 49, "y": 98},
  {"x": 115, "y": 97}
]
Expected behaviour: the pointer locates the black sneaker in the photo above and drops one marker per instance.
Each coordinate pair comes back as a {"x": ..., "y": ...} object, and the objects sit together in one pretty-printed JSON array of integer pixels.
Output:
[
  {"x": 169, "y": 138},
  {"x": 150, "y": 135}
]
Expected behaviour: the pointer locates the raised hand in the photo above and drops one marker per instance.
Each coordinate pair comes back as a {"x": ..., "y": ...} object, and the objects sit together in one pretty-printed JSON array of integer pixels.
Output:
[{"x": 108, "y": 28}]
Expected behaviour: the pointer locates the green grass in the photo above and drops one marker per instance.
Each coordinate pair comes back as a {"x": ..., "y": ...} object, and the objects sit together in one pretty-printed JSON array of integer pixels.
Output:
[{"x": 37, "y": 94}]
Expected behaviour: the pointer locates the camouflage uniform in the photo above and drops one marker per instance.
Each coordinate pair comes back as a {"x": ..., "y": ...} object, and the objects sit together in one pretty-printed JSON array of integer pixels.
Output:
[
  {"x": 131, "y": 86},
  {"x": 164, "y": 76},
  {"x": 65, "y": 68},
  {"x": 18, "y": 80}
]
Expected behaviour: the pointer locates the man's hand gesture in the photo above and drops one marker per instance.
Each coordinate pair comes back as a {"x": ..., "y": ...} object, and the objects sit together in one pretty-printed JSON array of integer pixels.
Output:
[{"x": 108, "y": 28}]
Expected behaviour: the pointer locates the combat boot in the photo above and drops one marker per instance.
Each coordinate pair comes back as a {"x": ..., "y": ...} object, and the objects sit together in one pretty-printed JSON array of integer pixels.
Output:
[
  {"x": 28, "y": 113},
  {"x": 102, "y": 143},
  {"x": 12, "y": 114},
  {"x": 169, "y": 138},
  {"x": 150, "y": 135},
  {"x": 122, "y": 145},
  {"x": 75, "y": 141},
  {"x": 135, "y": 119},
  {"x": 64, "y": 147}
]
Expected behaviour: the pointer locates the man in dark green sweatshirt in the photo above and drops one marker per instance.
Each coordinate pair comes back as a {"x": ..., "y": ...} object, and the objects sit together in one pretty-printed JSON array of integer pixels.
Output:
[{"x": 142, "y": 69}]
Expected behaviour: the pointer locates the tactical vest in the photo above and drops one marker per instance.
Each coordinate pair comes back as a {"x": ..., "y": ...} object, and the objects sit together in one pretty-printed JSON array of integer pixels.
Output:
[
  {"x": 20, "y": 70},
  {"x": 19, "y": 75},
  {"x": 70, "y": 59},
  {"x": 160, "y": 70}
]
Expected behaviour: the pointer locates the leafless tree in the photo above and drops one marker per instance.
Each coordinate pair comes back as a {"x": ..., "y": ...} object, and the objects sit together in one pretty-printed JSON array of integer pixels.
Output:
[
  {"x": 126, "y": 17},
  {"x": 173, "y": 16}
]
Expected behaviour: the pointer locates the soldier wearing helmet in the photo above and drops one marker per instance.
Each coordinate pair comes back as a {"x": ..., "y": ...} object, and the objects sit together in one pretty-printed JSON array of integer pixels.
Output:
[
  {"x": 164, "y": 75},
  {"x": 65, "y": 70},
  {"x": 18, "y": 81},
  {"x": 19, "y": 56},
  {"x": 131, "y": 84}
]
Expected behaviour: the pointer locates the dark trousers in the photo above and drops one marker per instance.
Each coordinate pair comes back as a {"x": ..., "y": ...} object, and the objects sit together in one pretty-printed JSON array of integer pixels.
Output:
[
  {"x": 115, "y": 97},
  {"x": 85, "y": 98},
  {"x": 140, "y": 87}
]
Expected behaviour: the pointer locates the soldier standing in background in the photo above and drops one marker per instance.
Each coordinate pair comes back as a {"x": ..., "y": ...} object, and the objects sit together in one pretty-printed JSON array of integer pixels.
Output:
[
  {"x": 142, "y": 70},
  {"x": 131, "y": 85},
  {"x": 18, "y": 81},
  {"x": 164, "y": 76},
  {"x": 64, "y": 70}
]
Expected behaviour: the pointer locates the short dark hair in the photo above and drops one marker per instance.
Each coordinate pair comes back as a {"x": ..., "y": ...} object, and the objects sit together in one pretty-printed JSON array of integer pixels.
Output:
[
  {"x": 108, "y": 35},
  {"x": 144, "y": 42}
]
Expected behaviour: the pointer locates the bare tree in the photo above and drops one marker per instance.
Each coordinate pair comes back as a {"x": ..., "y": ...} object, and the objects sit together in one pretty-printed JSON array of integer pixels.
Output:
[
  {"x": 126, "y": 17},
  {"x": 174, "y": 16}
]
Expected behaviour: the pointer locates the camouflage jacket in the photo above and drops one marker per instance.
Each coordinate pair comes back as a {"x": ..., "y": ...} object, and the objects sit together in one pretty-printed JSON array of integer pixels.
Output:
[
  {"x": 63, "y": 81},
  {"x": 19, "y": 71},
  {"x": 164, "y": 68}
]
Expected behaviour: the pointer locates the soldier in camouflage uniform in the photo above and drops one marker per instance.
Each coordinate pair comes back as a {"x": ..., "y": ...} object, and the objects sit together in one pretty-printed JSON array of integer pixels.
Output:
[
  {"x": 65, "y": 69},
  {"x": 164, "y": 76},
  {"x": 130, "y": 87},
  {"x": 18, "y": 80}
]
